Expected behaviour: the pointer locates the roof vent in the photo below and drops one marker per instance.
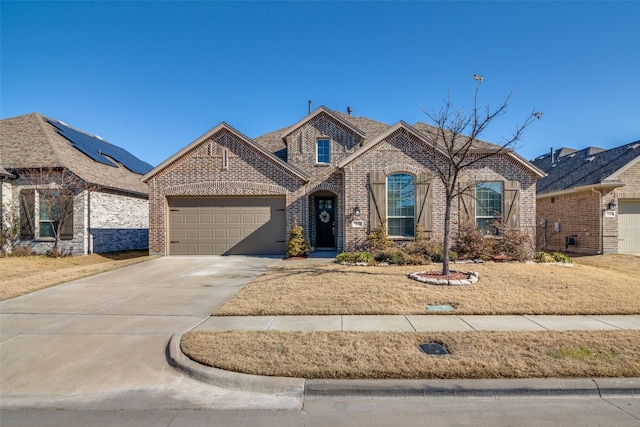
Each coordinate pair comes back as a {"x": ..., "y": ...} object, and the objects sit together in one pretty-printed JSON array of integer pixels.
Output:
[
  {"x": 572, "y": 154},
  {"x": 99, "y": 137},
  {"x": 633, "y": 147},
  {"x": 590, "y": 159},
  {"x": 62, "y": 123}
]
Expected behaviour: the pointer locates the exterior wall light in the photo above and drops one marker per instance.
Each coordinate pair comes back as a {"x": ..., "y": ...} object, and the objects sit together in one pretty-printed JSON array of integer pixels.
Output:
[
  {"x": 612, "y": 204},
  {"x": 356, "y": 212}
]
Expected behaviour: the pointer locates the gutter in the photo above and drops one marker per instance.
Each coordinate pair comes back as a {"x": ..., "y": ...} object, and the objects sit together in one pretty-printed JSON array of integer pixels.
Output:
[{"x": 610, "y": 185}]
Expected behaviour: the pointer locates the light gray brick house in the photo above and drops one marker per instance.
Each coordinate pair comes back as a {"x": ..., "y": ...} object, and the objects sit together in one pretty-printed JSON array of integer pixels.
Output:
[
  {"x": 335, "y": 174},
  {"x": 110, "y": 207}
]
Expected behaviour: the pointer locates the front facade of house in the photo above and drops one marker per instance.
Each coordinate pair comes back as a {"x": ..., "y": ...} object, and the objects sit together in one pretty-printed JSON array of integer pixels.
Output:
[
  {"x": 590, "y": 200},
  {"x": 337, "y": 175},
  {"x": 60, "y": 180}
]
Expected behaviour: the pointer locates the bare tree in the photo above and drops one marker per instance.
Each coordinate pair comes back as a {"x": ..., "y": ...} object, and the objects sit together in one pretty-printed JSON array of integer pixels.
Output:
[
  {"x": 457, "y": 147},
  {"x": 55, "y": 189}
]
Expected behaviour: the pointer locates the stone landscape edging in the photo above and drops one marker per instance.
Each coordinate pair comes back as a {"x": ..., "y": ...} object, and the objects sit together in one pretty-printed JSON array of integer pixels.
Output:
[{"x": 472, "y": 277}]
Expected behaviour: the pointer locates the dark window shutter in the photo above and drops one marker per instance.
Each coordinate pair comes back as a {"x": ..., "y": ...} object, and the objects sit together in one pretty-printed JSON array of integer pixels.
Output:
[
  {"x": 377, "y": 198},
  {"x": 66, "y": 207},
  {"x": 512, "y": 204},
  {"x": 424, "y": 205},
  {"x": 27, "y": 214},
  {"x": 467, "y": 202}
]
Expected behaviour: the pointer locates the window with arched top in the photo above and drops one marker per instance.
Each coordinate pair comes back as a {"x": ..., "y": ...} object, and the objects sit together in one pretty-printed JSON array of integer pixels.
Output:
[{"x": 401, "y": 202}]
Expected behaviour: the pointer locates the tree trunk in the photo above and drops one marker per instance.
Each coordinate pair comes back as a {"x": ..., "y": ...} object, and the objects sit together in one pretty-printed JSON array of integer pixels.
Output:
[{"x": 447, "y": 232}]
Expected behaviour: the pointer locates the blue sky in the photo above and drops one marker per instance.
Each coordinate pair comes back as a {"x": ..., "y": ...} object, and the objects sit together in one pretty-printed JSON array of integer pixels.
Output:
[{"x": 153, "y": 76}]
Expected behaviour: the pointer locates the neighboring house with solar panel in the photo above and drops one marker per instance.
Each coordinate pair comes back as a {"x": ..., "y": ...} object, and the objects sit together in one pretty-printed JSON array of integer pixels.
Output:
[
  {"x": 336, "y": 175},
  {"x": 93, "y": 185},
  {"x": 589, "y": 202}
]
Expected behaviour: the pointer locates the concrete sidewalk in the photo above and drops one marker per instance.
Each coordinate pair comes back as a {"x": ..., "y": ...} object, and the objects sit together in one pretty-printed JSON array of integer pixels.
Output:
[{"x": 421, "y": 323}]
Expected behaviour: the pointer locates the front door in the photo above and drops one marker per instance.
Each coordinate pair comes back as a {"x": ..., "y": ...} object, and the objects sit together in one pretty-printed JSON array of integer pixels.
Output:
[{"x": 325, "y": 222}]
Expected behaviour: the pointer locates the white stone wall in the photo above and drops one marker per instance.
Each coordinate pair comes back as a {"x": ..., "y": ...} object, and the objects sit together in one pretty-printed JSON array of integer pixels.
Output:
[{"x": 117, "y": 222}]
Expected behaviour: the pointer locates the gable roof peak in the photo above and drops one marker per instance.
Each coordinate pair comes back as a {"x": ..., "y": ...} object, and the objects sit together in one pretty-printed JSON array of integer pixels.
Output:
[{"x": 318, "y": 111}]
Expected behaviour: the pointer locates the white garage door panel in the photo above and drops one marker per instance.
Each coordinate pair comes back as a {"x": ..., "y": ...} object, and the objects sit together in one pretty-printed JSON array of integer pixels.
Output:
[
  {"x": 629, "y": 226},
  {"x": 227, "y": 225}
]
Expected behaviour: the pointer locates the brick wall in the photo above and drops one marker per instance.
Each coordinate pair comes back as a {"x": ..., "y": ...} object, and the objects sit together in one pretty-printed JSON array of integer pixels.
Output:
[
  {"x": 202, "y": 172},
  {"x": 577, "y": 214},
  {"x": 325, "y": 179},
  {"x": 403, "y": 152},
  {"x": 583, "y": 214}
]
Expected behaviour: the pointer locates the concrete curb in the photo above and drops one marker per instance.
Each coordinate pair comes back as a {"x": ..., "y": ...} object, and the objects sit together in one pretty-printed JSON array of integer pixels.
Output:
[
  {"x": 471, "y": 388},
  {"x": 293, "y": 387}
]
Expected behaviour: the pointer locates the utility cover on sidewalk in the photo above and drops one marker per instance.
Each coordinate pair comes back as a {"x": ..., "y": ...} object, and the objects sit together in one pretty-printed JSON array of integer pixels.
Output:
[
  {"x": 439, "y": 307},
  {"x": 433, "y": 348}
]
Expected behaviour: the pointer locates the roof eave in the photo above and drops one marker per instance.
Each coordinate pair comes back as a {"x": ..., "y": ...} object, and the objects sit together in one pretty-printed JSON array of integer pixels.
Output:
[
  {"x": 292, "y": 169},
  {"x": 604, "y": 185},
  {"x": 382, "y": 136}
]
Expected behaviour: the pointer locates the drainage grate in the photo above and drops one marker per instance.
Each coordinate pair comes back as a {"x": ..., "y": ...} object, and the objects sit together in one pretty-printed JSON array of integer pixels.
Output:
[
  {"x": 439, "y": 307},
  {"x": 433, "y": 348}
]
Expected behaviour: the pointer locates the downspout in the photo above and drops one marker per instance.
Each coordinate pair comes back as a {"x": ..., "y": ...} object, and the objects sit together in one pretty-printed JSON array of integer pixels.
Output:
[
  {"x": 601, "y": 237},
  {"x": 89, "y": 235}
]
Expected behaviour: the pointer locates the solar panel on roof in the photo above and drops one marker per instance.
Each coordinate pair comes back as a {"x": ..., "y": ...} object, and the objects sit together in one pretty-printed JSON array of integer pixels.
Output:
[{"x": 97, "y": 149}]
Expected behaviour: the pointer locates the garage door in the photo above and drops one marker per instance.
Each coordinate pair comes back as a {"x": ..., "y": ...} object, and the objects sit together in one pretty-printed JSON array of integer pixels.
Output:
[
  {"x": 629, "y": 226},
  {"x": 227, "y": 225}
]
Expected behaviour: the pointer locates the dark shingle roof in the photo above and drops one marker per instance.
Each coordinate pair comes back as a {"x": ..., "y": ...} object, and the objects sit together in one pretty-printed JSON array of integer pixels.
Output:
[
  {"x": 30, "y": 141},
  {"x": 429, "y": 131},
  {"x": 273, "y": 143},
  {"x": 371, "y": 128},
  {"x": 589, "y": 166}
]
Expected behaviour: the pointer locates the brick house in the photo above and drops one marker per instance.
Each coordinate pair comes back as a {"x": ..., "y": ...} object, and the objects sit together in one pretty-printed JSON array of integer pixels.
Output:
[
  {"x": 589, "y": 202},
  {"x": 335, "y": 174},
  {"x": 96, "y": 184}
]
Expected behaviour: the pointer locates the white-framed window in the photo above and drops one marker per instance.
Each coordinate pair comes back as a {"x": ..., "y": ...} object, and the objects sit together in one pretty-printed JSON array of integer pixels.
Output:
[
  {"x": 401, "y": 202},
  {"x": 488, "y": 206},
  {"x": 323, "y": 151}
]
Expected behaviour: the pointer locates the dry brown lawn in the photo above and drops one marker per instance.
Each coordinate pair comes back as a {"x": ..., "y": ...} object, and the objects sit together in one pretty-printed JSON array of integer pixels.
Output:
[
  {"x": 396, "y": 355},
  {"x": 22, "y": 275},
  {"x": 607, "y": 284}
]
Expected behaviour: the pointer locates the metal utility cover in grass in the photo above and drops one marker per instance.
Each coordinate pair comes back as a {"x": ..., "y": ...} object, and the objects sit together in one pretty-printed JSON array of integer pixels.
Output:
[
  {"x": 433, "y": 348},
  {"x": 440, "y": 307}
]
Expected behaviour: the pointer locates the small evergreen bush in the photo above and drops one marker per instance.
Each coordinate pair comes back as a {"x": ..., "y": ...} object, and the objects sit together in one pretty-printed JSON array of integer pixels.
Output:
[
  {"x": 297, "y": 244},
  {"x": 378, "y": 238}
]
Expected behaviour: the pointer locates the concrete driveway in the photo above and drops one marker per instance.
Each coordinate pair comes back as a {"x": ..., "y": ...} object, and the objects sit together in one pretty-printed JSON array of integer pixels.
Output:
[{"x": 99, "y": 342}]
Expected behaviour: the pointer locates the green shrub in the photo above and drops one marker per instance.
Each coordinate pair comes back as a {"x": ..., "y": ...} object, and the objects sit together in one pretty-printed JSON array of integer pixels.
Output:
[
  {"x": 364, "y": 257},
  {"x": 560, "y": 257},
  {"x": 297, "y": 244},
  {"x": 344, "y": 257},
  {"x": 544, "y": 257},
  {"x": 392, "y": 256}
]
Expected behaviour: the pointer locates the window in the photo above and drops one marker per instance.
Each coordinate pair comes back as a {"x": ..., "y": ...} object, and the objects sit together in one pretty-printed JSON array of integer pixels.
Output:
[
  {"x": 44, "y": 211},
  {"x": 322, "y": 151},
  {"x": 49, "y": 212},
  {"x": 488, "y": 205},
  {"x": 401, "y": 205}
]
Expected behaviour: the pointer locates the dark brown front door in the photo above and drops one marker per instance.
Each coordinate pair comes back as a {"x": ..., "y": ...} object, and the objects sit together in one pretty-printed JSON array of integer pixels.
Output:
[{"x": 325, "y": 222}]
